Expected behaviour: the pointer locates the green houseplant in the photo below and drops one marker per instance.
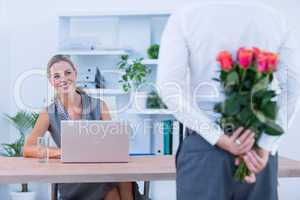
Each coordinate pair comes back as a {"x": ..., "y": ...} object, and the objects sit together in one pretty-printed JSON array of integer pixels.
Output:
[
  {"x": 22, "y": 121},
  {"x": 135, "y": 72},
  {"x": 153, "y": 51},
  {"x": 154, "y": 101}
]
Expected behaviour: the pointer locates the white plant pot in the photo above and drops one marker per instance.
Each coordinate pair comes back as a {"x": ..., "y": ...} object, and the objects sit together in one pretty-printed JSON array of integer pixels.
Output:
[
  {"x": 22, "y": 195},
  {"x": 140, "y": 100}
]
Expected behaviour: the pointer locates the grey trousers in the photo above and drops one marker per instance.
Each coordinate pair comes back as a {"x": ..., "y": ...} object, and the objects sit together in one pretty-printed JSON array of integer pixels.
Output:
[{"x": 205, "y": 172}]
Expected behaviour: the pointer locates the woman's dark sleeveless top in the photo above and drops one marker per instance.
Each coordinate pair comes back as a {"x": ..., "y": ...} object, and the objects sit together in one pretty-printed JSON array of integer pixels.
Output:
[{"x": 90, "y": 111}]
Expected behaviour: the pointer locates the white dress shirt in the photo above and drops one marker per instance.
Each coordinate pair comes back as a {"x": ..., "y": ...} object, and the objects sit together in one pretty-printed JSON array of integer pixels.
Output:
[{"x": 193, "y": 37}]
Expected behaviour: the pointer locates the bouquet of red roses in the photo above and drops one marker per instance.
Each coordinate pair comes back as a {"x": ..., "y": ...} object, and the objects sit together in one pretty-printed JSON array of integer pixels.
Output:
[{"x": 249, "y": 100}]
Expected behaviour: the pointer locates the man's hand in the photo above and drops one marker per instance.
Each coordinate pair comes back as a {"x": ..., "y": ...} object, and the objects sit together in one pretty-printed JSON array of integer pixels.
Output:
[
  {"x": 256, "y": 159},
  {"x": 239, "y": 143}
]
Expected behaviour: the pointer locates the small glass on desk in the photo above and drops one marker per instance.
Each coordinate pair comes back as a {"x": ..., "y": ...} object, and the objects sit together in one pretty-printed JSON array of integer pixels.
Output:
[{"x": 43, "y": 148}]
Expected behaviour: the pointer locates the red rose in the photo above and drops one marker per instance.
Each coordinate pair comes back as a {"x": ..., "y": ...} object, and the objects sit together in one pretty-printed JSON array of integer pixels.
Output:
[
  {"x": 238, "y": 52},
  {"x": 256, "y": 52},
  {"x": 272, "y": 61},
  {"x": 245, "y": 57},
  {"x": 262, "y": 62},
  {"x": 225, "y": 60}
]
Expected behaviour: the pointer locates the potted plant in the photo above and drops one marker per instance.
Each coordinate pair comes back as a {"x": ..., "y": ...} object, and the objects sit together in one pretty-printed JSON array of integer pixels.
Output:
[
  {"x": 154, "y": 101},
  {"x": 135, "y": 73},
  {"x": 22, "y": 121},
  {"x": 153, "y": 51}
]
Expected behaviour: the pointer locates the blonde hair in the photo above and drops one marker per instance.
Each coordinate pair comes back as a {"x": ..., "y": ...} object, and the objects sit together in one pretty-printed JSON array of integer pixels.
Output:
[
  {"x": 59, "y": 58},
  {"x": 62, "y": 58}
]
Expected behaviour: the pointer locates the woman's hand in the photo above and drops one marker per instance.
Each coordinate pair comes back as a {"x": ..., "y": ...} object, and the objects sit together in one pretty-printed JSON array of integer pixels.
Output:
[
  {"x": 239, "y": 143},
  {"x": 54, "y": 152}
]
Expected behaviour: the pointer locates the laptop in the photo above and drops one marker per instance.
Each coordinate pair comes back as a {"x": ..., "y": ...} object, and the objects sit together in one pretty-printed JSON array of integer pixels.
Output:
[{"x": 92, "y": 141}]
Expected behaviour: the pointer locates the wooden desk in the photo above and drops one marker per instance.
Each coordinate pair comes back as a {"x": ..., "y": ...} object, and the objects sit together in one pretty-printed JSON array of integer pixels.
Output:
[
  {"x": 146, "y": 168},
  {"x": 17, "y": 170},
  {"x": 23, "y": 170},
  {"x": 288, "y": 167}
]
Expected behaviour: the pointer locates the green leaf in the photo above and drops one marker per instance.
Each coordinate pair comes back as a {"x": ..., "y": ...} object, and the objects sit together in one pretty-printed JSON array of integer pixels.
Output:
[
  {"x": 247, "y": 84},
  {"x": 14, "y": 149},
  {"x": 260, "y": 116},
  {"x": 232, "y": 105},
  {"x": 267, "y": 97},
  {"x": 153, "y": 51},
  {"x": 135, "y": 73},
  {"x": 216, "y": 79},
  {"x": 232, "y": 78},
  {"x": 23, "y": 121},
  {"x": 125, "y": 87},
  {"x": 244, "y": 98},
  {"x": 124, "y": 57},
  {"x": 218, "y": 107},
  {"x": 122, "y": 65},
  {"x": 270, "y": 110},
  {"x": 249, "y": 79},
  {"x": 8, "y": 151},
  {"x": 245, "y": 115},
  {"x": 262, "y": 84},
  {"x": 271, "y": 77},
  {"x": 257, "y": 127},
  {"x": 271, "y": 128},
  {"x": 223, "y": 76},
  {"x": 124, "y": 77}
]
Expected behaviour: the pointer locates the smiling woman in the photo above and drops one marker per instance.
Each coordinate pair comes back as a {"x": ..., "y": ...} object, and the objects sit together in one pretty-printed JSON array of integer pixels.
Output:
[{"x": 71, "y": 103}]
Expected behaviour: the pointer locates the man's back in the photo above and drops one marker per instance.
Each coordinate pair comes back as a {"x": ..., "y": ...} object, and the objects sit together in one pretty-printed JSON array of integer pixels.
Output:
[
  {"x": 191, "y": 41},
  {"x": 208, "y": 28},
  {"x": 212, "y": 27}
]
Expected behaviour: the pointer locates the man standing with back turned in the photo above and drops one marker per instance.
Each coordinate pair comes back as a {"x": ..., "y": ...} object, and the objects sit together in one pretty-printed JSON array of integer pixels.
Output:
[{"x": 205, "y": 161}]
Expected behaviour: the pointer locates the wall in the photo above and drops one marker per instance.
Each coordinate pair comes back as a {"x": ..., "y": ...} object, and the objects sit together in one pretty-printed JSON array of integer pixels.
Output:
[
  {"x": 5, "y": 74},
  {"x": 4, "y": 80},
  {"x": 28, "y": 37}
]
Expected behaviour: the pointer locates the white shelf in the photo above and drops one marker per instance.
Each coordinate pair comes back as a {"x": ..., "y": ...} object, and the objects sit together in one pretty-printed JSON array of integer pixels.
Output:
[
  {"x": 150, "y": 111},
  {"x": 146, "y": 61},
  {"x": 97, "y": 91},
  {"x": 114, "y": 13},
  {"x": 114, "y": 33},
  {"x": 93, "y": 52}
]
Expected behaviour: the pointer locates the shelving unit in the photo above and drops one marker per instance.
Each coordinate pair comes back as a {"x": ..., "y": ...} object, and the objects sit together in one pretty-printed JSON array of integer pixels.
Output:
[
  {"x": 147, "y": 61},
  {"x": 161, "y": 112},
  {"x": 96, "y": 91},
  {"x": 117, "y": 33},
  {"x": 115, "y": 13},
  {"x": 92, "y": 52},
  {"x": 97, "y": 40},
  {"x": 151, "y": 112}
]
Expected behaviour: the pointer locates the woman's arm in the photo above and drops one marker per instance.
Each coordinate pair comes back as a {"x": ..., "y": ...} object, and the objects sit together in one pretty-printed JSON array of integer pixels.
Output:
[
  {"x": 104, "y": 111},
  {"x": 41, "y": 126}
]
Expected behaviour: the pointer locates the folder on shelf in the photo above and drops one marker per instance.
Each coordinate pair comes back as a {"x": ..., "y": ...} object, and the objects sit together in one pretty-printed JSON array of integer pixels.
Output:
[
  {"x": 167, "y": 137},
  {"x": 175, "y": 136},
  {"x": 158, "y": 143}
]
